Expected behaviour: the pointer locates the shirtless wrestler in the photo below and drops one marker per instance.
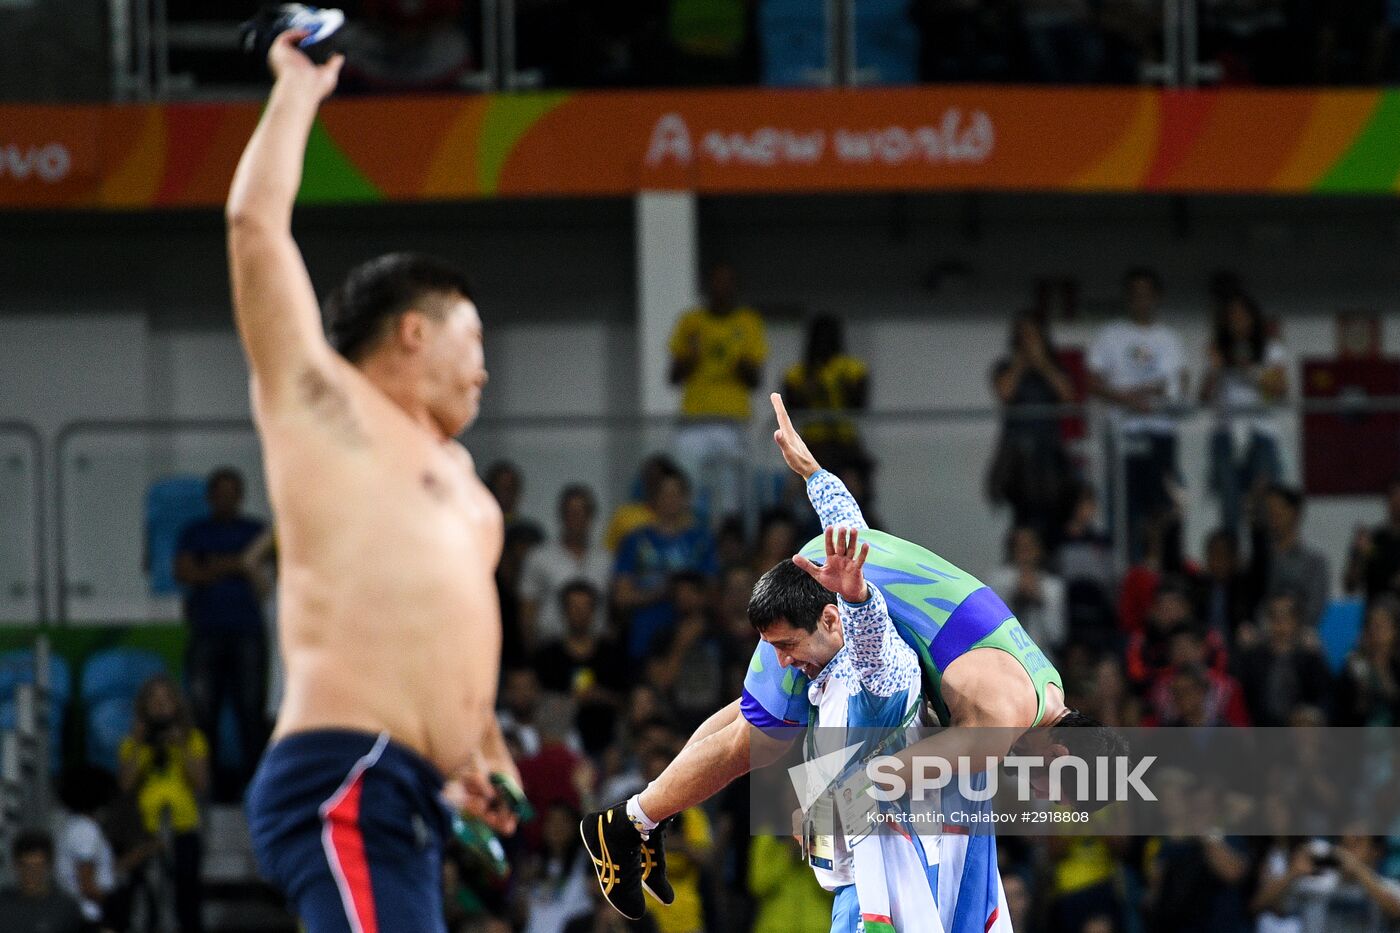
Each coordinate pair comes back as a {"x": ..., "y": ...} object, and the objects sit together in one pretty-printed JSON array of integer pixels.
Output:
[{"x": 388, "y": 613}]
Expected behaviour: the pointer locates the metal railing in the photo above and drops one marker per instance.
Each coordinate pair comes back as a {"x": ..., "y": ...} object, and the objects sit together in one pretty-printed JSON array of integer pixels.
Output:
[
  {"x": 23, "y": 580},
  {"x": 143, "y": 38},
  {"x": 931, "y": 480},
  {"x": 107, "y": 513},
  {"x": 25, "y": 756}
]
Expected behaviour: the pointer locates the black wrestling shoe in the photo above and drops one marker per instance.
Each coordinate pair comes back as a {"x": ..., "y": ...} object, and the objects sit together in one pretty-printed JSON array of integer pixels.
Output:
[
  {"x": 654, "y": 878},
  {"x": 276, "y": 18},
  {"x": 616, "y": 848}
]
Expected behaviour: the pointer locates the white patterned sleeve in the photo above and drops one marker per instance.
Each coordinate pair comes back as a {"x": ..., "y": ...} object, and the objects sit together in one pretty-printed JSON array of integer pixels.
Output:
[
  {"x": 883, "y": 661},
  {"x": 833, "y": 501}
]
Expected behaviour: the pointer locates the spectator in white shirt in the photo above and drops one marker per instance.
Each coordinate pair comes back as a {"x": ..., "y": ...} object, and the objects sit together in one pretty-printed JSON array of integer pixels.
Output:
[
  {"x": 1138, "y": 367},
  {"x": 1036, "y": 596},
  {"x": 550, "y": 567},
  {"x": 84, "y": 865}
]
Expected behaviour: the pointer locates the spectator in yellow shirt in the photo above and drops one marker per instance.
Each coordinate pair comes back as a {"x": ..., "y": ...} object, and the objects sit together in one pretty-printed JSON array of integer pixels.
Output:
[
  {"x": 785, "y": 892},
  {"x": 717, "y": 355},
  {"x": 164, "y": 764},
  {"x": 828, "y": 382},
  {"x": 637, "y": 512}
]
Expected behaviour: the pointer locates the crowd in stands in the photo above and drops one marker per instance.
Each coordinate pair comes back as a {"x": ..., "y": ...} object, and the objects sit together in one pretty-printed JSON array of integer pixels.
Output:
[
  {"x": 624, "y": 631},
  {"x": 413, "y": 45}
]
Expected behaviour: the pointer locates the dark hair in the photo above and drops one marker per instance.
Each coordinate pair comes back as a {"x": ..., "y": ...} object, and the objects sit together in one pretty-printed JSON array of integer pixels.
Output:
[
  {"x": 497, "y": 469},
  {"x": 381, "y": 289},
  {"x": 776, "y": 515},
  {"x": 523, "y": 534},
  {"x": 579, "y": 585},
  {"x": 85, "y": 789},
  {"x": 1388, "y": 603},
  {"x": 825, "y": 340},
  {"x": 32, "y": 840},
  {"x": 1288, "y": 494},
  {"x": 1224, "y": 339},
  {"x": 222, "y": 474},
  {"x": 579, "y": 491},
  {"x": 1153, "y": 277},
  {"x": 693, "y": 577},
  {"x": 1088, "y": 739},
  {"x": 669, "y": 470},
  {"x": 154, "y": 683},
  {"x": 1173, "y": 585},
  {"x": 1187, "y": 629},
  {"x": 788, "y": 592},
  {"x": 732, "y": 525}
]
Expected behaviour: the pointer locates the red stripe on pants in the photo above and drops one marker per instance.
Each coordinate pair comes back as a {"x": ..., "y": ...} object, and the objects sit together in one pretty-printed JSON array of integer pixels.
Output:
[{"x": 348, "y": 844}]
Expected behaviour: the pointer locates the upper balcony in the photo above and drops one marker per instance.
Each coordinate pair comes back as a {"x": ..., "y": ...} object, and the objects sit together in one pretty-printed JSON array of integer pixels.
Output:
[{"x": 176, "y": 50}]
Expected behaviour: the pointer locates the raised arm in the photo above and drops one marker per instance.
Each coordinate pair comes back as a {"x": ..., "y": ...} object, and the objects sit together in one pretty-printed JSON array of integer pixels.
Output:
[
  {"x": 829, "y": 496},
  {"x": 275, "y": 306}
]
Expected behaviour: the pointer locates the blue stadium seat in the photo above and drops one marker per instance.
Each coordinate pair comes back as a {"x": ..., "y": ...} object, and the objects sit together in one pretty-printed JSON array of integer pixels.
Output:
[
  {"x": 118, "y": 673},
  {"x": 887, "y": 42},
  {"x": 1339, "y": 629},
  {"x": 171, "y": 504},
  {"x": 108, "y": 722},
  {"x": 17, "y": 667},
  {"x": 792, "y": 37},
  {"x": 108, "y": 687}
]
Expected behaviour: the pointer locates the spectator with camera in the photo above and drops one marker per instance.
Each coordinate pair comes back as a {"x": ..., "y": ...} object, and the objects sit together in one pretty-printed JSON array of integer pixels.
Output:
[
  {"x": 1031, "y": 470},
  {"x": 1322, "y": 887},
  {"x": 164, "y": 764}
]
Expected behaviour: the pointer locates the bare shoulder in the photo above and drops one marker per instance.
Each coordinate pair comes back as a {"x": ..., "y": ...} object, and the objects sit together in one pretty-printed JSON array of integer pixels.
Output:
[{"x": 988, "y": 687}]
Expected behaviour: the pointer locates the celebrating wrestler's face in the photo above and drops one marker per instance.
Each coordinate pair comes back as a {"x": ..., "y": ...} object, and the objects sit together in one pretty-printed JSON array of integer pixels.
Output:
[
  {"x": 454, "y": 364},
  {"x": 809, "y": 652}
]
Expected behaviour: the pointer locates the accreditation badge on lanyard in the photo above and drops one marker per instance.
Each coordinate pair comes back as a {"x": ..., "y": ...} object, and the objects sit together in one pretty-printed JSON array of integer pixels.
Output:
[
  {"x": 818, "y": 833},
  {"x": 819, "y": 820}
]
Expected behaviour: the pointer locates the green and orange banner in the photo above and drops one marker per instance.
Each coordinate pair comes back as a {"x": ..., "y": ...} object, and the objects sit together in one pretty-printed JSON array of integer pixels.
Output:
[{"x": 608, "y": 144}]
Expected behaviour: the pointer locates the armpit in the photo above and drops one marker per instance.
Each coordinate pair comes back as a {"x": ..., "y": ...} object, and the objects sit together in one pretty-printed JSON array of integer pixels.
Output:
[{"x": 330, "y": 403}]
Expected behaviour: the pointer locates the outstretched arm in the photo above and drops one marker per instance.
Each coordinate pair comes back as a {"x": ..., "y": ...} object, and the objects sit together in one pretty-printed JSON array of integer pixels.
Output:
[
  {"x": 275, "y": 306},
  {"x": 829, "y": 496}
]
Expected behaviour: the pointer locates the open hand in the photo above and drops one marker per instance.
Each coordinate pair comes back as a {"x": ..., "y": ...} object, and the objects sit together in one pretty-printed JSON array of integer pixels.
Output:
[
  {"x": 842, "y": 573},
  {"x": 289, "y": 63},
  {"x": 794, "y": 448}
]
